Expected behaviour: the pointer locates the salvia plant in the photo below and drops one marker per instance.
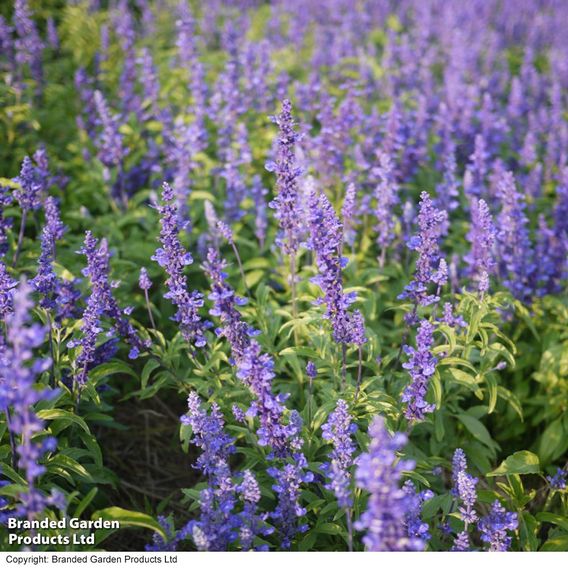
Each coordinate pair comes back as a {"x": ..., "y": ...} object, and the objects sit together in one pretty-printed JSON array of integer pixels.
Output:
[{"x": 277, "y": 277}]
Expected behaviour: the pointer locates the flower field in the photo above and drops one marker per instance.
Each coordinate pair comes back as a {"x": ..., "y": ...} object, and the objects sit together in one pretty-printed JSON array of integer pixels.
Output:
[{"x": 284, "y": 275}]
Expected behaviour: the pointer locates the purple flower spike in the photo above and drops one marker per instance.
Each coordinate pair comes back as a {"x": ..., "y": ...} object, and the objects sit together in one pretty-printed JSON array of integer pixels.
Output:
[
  {"x": 421, "y": 365},
  {"x": 144, "y": 281},
  {"x": 217, "y": 526},
  {"x": 287, "y": 172},
  {"x": 429, "y": 268},
  {"x": 482, "y": 236},
  {"x": 18, "y": 395},
  {"x": 326, "y": 240},
  {"x": 379, "y": 472},
  {"x": 173, "y": 258},
  {"x": 494, "y": 528},
  {"x": 338, "y": 430}
]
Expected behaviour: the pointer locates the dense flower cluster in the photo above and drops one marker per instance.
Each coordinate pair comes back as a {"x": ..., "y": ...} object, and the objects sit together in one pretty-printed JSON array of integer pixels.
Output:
[
  {"x": 18, "y": 374},
  {"x": 339, "y": 430},
  {"x": 379, "y": 472},
  {"x": 326, "y": 240},
  {"x": 421, "y": 365},
  {"x": 464, "y": 489},
  {"x": 495, "y": 526},
  {"x": 430, "y": 266},
  {"x": 101, "y": 302},
  {"x": 173, "y": 258}
]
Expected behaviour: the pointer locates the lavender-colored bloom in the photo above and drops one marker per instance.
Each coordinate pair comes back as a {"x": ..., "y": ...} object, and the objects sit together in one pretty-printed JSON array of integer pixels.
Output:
[
  {"x": 110, "y": 148},
  {"x": 52, "y": 35},
  {"x": 67, "y": 299},
  {"x": 452, "y": 320},
  {"x": 29, "y": 47},
  {"x": 5, "y": 224},
  {"x": 464, "y": 490},
  {"x": 386, "y": 196},
  {"x": 45, "y": 281},
  {"x": 287, "y": 172},
  {"x": 144, "y": 281},
  {"x": 236, "y": 156},
  {"x": 515, "y": 249},
  {"x": 311, "y": 370},
  {"x": 326, "y": 238},
  {"x": 379, "y": 472},
  {"x": 172, "y": 257},
  {"x": 459, "y": 463},
  {"x": 287, "y": 485},
  {"x": 482, "y": 237},
  {"x": 495, "y": 525},
  {"x": 421, "y": 365},
  {"x": 124, "y": 24},
  {"x": 31, "y": 187},
  {"x": 53, "y": 220},
  {"x": 183, "y": 146},
  {"x": 158, "y": 542},
  {"x": 57, "y": 294},
  {"x": 348, "y": 213},
  {"x": 100, "y": 302},
  {"x": 218, "y": 522},
  {"x": 237, "y": 332},
  {"x": 18, "y": 374},
  {"x": 88, "y": 119},
  {"x": 225, "y": 231},
  {"x": 256, "y": 370},
  {"x": 461, "y": 542},
  {"x": 415, "y": 526},
  {"x": 558, "y": 480},
  {"x": 7, "y": 61},
  {"x": 447, "y": 192},
  {"x": 258, "y": 193},
  {"x": 7, "y": 284},
  {"x": 357, "y": 329},
  {"x": 474, "y": 182},
  {"x": 430, "y": 223},
  {"x": 339, "y": 430},
  {"x": 251, "y": 522},
  {"x": 150, "y": 83},
  {"x": 208, "y": 435},
  {"x": 238, "y": 414}
]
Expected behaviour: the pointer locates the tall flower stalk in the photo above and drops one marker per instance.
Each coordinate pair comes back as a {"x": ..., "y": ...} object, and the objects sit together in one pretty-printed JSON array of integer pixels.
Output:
[
  {"x": 338, "y": 430},
  {"x": 18, "y": 395},
  {"x": 173, "y": 258},
  {"x": 379, "y": 472},
  {"x": 326, "y": 241},
  {"x": 286, "y": 203}
]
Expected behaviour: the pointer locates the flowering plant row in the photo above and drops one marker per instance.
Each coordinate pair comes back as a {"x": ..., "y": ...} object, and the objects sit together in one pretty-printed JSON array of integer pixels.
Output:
[{"x": 285, "y": 276}]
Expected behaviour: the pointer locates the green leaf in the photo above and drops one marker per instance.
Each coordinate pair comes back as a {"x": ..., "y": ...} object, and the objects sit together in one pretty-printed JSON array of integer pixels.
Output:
[
  {"x": 553, "y": 519},
  {"x": 61, "y": 464},
  {"x": 465, "y": 379},
  {"x": 63, "y": 415},
  {"x": 150, "y": 366},
  {"x": 130, "y": 519},
  {"x": 556, "y": 544},
  {"x": 528, "y": 529},
  {"x": 491, "y": 383},
  {"x": 85, "y": 502},
  {"x": 512, "y": 400},
  {"x": 520, "y": 462},
  {"x": 552, "y": 442},
  {"x": 477, "y": 430}
]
